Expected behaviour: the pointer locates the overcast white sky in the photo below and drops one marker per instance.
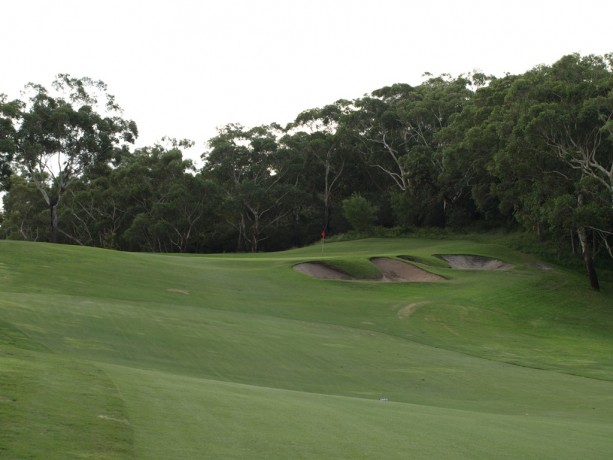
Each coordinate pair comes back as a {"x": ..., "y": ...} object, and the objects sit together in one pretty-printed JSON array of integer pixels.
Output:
[{"x": 180, "y": 68}]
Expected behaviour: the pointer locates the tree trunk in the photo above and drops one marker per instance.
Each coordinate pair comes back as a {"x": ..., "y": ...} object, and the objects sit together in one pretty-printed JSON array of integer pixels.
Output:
[
  {"x": 326, "y": 215},
  {"x": 587, "y": 258},
  {"x": 240, "y": 243},
  {"x": 53, "y": 228},
  {"x": 587, "y": 251},
  {"x": 255, "y": 233}
]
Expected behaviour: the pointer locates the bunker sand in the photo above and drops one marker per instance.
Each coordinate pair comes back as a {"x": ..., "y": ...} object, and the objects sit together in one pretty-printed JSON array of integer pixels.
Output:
[
  {"x": 392, "y": 270},
  {"x": 397, "y": 271},
  {"x": 472, "y": 262}
]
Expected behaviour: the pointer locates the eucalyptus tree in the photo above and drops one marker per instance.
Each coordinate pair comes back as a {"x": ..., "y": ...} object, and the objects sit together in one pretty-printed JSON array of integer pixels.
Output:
[
  {"x": 94, "y": 212},
  {"x": 24, "y": 216},
  {"x": 9, "y": 117},
  {"x": 251, "y": 169},
  {"x": 559, "y": 118},
  {"x": 167, "y": 207},
  {"x": 190, "y": 212},
  {"x": 398, "y": 126},
  {"x": 66, "y": 132},
  {"x": 318, "y": 138},
  {"x": 574, "y": 115},
  {"x": 470, "y": 144}
]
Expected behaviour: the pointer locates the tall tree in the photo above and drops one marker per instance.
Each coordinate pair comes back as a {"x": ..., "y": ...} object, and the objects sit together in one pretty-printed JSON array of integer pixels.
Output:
[
  {"x": 560, "y": 116},
  {"x": 398, "y": 125},
  {"x": 24, "y": 213},
  {"x": 164, "y": 203},
  {"x": 250, "y": 168},
  {"x": 470, "y": 144},
  {"x": 62, "y": 135},
  {"x": 9, "y": 116},
  {"x": 316, "y": 136}
]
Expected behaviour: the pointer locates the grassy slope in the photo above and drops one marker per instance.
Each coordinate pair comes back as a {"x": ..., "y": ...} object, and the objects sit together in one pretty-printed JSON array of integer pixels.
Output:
[{"x": 114, "y": 355}]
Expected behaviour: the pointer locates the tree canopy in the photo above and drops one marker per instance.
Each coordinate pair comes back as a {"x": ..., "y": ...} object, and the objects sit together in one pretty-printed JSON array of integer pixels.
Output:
[{"x": 61, "y": 137}]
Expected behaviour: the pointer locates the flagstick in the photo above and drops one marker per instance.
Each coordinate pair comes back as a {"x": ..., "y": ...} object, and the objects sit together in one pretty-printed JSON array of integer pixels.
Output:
[{"x": 323, "y": 240}]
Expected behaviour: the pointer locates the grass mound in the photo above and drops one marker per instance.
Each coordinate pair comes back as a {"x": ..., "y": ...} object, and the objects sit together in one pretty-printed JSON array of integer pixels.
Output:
[
  {"x": 322, "y": 271},
  {"x": 396, "y": 270}
]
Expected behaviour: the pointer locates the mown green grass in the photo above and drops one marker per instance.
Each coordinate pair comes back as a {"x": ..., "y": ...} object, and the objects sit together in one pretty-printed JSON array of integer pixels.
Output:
[
  {"x": 115, "y": 355},
  {"x": 53, "y": 407}
]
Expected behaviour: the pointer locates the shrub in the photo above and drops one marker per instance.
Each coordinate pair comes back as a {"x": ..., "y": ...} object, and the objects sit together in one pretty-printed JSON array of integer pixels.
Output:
[{"x": 359, "y": 212}]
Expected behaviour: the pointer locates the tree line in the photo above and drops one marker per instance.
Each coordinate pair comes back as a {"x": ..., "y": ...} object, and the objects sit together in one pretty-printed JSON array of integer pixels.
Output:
[{"x": 531, "y": 151}]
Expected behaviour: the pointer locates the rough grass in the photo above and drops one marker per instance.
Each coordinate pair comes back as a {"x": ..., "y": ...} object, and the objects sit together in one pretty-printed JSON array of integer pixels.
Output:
[{"x": 117, "y": 355}]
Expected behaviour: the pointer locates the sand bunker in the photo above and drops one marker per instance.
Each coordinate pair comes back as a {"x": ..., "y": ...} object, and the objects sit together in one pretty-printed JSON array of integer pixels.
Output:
[
  {"x": 322, "y": 271},
  {"x": 470, "y": 262},
  {"x": 398, "y": 271},
  {"x": 391, "y": 271}
]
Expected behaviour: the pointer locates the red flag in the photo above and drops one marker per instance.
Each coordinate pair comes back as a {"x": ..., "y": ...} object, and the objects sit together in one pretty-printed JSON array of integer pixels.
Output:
[{"x": 323, "y": 233}]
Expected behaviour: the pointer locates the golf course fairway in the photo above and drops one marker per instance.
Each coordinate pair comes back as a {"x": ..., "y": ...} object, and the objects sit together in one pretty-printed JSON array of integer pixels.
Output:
[{"x": 111, "y": 355}]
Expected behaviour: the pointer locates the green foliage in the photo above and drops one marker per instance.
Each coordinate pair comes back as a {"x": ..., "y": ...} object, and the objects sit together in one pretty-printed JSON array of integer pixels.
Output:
[
  {"x": 9, "y": 114},
  {"x": 62, "y": 136},
  {"x": 360, "y": 213},
  {"x": 26, "y": 217}
]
